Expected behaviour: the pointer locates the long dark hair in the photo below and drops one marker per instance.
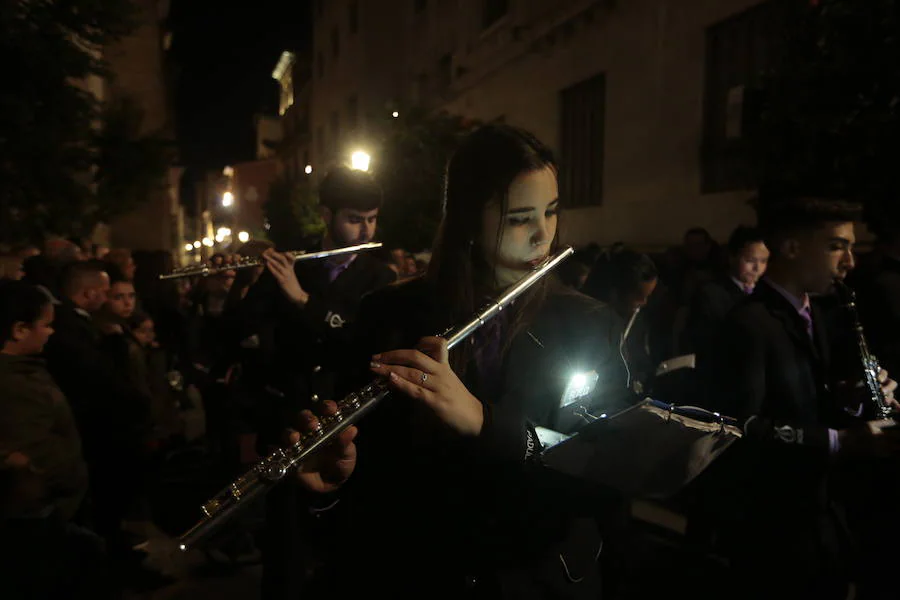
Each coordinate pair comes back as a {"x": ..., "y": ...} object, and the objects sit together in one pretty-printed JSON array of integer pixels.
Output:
[{"x": 479, "y": 173}]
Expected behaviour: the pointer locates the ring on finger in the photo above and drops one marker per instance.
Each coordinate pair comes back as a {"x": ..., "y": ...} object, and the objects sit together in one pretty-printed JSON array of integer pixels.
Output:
[{"x": 424, "y": 378}]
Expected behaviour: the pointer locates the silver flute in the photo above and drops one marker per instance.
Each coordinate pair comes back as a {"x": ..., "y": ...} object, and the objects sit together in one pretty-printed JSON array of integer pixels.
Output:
[
  {"x": 205, "y": 270},
  {"x": 870, "y": 365},
  {"x": 274, "y": 468}
]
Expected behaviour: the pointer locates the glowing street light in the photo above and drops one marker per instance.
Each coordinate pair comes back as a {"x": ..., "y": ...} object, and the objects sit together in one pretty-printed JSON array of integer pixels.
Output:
[
  {"x": 188, "y": 247},
  {"x": 227, "y": 199},
  {"x": 207, "y": 242},
  {"x": 308, "y": 169},
  {"x": 243, "y": 236},
  {"x": 223, "y": 231},
  {"x": 395, "y": 114},
  {"x": 359, "y": 161},
  {"x": 197, "y": 244},
  {"x": 220, "y": 238}
]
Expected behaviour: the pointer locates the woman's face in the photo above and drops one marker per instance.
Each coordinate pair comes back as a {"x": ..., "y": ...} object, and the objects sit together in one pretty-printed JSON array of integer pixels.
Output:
[{"x": 527, "y": 228}]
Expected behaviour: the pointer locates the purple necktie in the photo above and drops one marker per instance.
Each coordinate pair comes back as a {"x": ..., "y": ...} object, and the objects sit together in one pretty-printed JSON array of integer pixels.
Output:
[
  {"x": 748, "y": 289},
  {"x": 807, "y": 318}
]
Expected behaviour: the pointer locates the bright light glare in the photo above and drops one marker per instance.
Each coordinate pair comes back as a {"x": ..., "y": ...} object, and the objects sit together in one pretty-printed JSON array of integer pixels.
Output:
[
  {"x": 395, "y": 114},
  {"x": 220, "y": 238},
  {"x": 308, "y": 169},
  {"x": 197, "y": 244},
  {"x": 227, "y": 199},
  {"x": 207, "y": 242},
  {"x": 578, "y": 380},
  {"x": 223, "y": 231},
  {"x": 359, "y": 160},
  {"x": 580, "y": 386},
  {"x": 243, "y": 236}
]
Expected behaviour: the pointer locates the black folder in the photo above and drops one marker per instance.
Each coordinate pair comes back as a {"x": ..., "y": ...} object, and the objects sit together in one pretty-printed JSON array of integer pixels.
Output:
[{"x": 650, "y": 450}]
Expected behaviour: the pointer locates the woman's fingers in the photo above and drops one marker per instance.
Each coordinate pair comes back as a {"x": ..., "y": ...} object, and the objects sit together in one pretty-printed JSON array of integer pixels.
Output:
[
  {"x": 407, "y": 358},
  {"x": 407, "y": 373}
]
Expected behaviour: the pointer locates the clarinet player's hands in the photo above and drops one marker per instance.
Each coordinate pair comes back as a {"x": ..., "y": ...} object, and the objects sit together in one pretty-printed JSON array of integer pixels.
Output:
[
  {"x": 327, "y": 470},
  {"x": 889, "y": 387},
  {"x": 425, "y": 375}
]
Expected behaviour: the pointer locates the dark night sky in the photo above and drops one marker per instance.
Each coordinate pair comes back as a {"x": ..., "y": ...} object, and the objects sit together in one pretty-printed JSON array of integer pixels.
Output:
[{"x": 224, "y": 54}]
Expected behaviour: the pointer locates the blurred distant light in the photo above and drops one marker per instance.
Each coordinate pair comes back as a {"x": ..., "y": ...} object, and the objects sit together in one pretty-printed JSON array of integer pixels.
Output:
[
  {"x": 207, "y": 242},
  {"x": 197, "y": 244},
  {"x": 243, "y": 236},
  {"x": 308, "y": 169},
  {"x": 395, "y": 114},
  {"x": 228, "y": 171},
  {"x": 220, "y": 238},
  {"x": 188, "y": 247},
  {"x": 223, "y": 231},
  {"x": 227, "y": 199},
  {"x": 359, "y": 160}
]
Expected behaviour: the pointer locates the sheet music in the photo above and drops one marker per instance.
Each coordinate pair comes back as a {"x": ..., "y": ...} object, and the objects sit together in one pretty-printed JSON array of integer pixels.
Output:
[{"x": 650, "y": 450}]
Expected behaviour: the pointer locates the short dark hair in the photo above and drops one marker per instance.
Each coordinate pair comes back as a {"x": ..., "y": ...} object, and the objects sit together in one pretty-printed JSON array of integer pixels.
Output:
[
  {"x": 76, "y": 274},
  {"x": 743, "y": 236},
  {"x": 792, "y": 214},
  {"x": 698, "y": 231},
  {"x": 137, "y": 318},
  {"x": 619, "y": 270},
  {"x": 349, "y": 188},
  {"x": 20, "y": 302}
]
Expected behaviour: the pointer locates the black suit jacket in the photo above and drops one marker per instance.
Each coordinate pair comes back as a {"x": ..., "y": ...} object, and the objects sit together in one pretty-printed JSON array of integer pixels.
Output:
[
  {"x": 107, "y": 407},
  {"x": 456, "y": 508},
  {"x": 773, "y": 378},
  {"x": 291, "y": 351}
]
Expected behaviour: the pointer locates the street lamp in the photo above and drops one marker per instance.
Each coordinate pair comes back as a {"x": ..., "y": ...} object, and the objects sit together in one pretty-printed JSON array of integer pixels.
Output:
[
  {"x": 223, "y": 231},
  {"x": 207, "y": 242},
  {"x": 308, "y": 169},
  {"x": 197, "y": 244},
  {"x": 227, "y": 199},
  {"x": 188, "y": 247},
  {"x": 359, "y": 161},
  {"x": 395, "y": 114},
  {"x": 244, "y": 237}
]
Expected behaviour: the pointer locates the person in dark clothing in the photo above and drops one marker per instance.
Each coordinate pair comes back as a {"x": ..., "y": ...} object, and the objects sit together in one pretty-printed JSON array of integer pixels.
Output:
[
  {"x": 299, "y": 313},
  {"x": 43, "y": 476},
  {"x": 448, "y": 499},
  {"x": 626, "y": 280},
  {"x": 111, "y": 413},
  {"x": 295, "y": 322},
  {"x": 36, "y": 418},
  {"x": 747, "y": 261},
  {"x": 773, "y": 366}
]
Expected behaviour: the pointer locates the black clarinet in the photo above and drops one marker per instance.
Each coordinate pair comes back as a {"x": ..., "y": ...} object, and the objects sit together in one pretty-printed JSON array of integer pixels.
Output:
[{"x": 870, "y": 365}]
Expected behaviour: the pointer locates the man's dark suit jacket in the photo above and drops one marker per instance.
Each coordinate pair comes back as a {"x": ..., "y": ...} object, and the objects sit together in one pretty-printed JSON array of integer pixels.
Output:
[{"x": 774, "y": 378}]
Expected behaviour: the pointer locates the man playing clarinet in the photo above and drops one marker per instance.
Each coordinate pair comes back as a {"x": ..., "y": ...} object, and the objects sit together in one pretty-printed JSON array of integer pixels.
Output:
[{"x": 774, "y": 372}]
